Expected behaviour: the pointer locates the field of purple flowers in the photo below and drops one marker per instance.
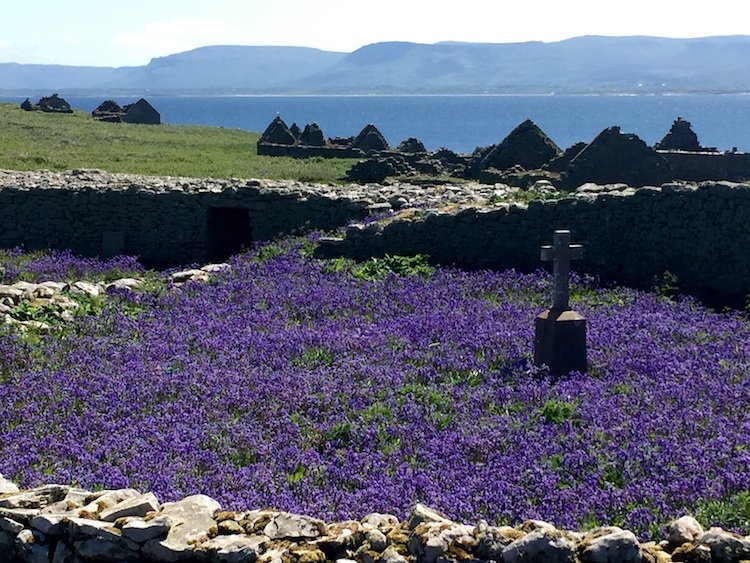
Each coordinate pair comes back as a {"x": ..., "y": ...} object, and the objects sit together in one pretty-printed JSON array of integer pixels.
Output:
[{"x": 335, "y": 390}]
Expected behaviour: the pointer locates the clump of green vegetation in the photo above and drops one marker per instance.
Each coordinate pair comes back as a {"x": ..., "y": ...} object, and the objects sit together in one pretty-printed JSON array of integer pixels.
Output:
[
  {"x": 35, "y": 141},
  {"x": 379, "y": 268}
]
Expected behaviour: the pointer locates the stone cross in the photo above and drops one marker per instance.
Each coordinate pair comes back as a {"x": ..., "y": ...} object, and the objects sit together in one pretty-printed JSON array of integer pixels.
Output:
[{"x": 560, "y": 253}]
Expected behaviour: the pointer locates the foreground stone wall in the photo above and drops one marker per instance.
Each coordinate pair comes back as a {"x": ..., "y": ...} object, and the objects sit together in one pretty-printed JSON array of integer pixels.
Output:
[
  {"x": 699, "y": 233},
  {"x": 62, "y": 524}
]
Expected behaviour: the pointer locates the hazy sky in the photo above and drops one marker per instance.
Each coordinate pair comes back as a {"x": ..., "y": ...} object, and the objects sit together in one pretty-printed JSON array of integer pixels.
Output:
[{"x": 131, "y": 32}]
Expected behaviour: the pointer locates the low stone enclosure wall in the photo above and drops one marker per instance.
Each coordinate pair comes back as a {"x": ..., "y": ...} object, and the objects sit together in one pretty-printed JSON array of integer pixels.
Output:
[
  {"x": 697, "y": 232},
  {"x": 62, "y": 524}
]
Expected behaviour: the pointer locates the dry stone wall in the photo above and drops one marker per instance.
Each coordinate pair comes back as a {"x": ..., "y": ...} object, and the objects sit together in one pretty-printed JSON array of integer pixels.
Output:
[
  {"x": 698, "y": 232},
  {"x": 62, "y": 524}
]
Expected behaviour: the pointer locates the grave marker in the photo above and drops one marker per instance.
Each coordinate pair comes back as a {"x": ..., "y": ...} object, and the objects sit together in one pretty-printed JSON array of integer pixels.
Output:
[{"x": 560, "y": 333}]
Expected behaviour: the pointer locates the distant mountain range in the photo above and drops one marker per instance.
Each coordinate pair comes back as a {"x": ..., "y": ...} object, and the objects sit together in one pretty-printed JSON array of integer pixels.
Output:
[{"x": 589, "y": 64}]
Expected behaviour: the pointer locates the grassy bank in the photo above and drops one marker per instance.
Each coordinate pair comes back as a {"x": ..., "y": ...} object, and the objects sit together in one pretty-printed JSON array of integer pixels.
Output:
[{"x": 35, "y": 140}]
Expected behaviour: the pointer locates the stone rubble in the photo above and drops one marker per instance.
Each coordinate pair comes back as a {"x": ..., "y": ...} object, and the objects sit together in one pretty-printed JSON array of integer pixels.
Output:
[
  {"x": 55, "y": 298},
  {"x": 61, "y": 524}
]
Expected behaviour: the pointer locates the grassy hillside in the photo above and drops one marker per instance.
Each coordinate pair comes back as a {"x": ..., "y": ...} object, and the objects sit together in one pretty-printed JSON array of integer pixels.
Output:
[{"x": 35, "y": 140}]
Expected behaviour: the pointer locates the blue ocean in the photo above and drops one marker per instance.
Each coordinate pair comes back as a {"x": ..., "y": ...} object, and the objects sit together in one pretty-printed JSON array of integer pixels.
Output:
[{"x": 462, "y": 123}]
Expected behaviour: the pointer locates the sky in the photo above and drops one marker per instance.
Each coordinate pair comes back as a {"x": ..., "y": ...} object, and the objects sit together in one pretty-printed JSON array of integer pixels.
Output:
[{"x": 131, "y": 33}]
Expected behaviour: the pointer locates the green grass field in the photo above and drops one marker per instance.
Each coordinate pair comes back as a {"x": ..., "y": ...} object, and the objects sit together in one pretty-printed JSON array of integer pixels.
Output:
[{"x": 36, "y": 141}]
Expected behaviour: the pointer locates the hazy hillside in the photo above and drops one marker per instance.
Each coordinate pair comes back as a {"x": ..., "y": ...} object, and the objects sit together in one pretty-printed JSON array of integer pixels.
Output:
[{"x": 582, "y": 64}]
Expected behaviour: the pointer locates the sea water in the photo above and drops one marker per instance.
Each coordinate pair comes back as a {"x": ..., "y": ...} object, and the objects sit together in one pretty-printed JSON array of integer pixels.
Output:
[{"x": 462, "y": 123}]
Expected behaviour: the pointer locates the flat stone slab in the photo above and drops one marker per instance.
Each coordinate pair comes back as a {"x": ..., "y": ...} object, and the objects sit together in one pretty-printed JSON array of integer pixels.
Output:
[
  {"x": 35, "y": 498},
  {"x": 193, "y": 520},
  {"x": 134, "y": 506}
]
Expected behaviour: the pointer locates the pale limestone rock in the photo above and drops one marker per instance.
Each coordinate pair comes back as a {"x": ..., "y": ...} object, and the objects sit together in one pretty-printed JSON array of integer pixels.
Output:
[
  {"x": 286, "y": 525},
  {"x": 683, "y": 530},
  {"x": 421, "y": 513},
  {"x": 611, "y": 545},
  {"x": 7, "y": 487},
  {"x": 189, "y": 275},
  {"x": 540, "y": 546},
  {"x": 124, "y": 283},
  {"x": 105, "y": 501},
  {"x": 134, "y": 506},
  {"x": 85, "y": 288},
  {"x": 213, "y": 268},
  {"x": 78, "y": 497},
  {"x": 141, "y": 531},
  {"x": 192, "y": 522},
  {"x": 55, "y": 286},
  {"x": 383, "y": 522},
  {"x": 35, "y": 498}
]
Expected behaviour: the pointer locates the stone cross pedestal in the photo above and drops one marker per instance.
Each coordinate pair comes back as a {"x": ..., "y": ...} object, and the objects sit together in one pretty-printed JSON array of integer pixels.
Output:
[{"x": 560, "y": 333}]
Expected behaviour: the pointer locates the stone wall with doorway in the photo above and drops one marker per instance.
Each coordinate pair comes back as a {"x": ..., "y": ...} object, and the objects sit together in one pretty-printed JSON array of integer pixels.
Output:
[{"x": 698, "y": 232}]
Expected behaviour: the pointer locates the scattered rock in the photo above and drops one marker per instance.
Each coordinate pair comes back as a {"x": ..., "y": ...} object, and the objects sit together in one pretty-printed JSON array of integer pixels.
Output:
[
  {"x": 610, "y": 545},
  {"x": 293, "y": 526},
  {"x": 683, "y": 530},
  {"x": 7, "y": 487}
]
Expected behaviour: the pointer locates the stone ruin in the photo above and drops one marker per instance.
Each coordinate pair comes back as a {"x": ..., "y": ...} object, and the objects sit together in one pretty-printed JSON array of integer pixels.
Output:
[
  {"x": 680, "y": 137},
  {"x": 615, "y": 157},
  {"x": 523, "y": 158},
  {"x": 527, "y": 146},
  {"x": 51, "y": 104},
  {"x": 139, "y": 112}
]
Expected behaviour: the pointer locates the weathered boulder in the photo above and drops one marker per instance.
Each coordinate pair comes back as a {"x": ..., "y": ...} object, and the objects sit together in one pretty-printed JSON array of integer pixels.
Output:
[
  {"x": 193, "y": 523},
  {"x": 683, "y": 530},
  {"x": 7, "y": 487},
  {"x": 134, "y": 506},
  {"x": 610, "y": 545},
  {"x": 725, "y": 547},
  {"x": 26, "y": 105},
  {"x": 141, "y": 531},
  {"x": 293, "y": 526},
  {"x": 541, "y": 546}
]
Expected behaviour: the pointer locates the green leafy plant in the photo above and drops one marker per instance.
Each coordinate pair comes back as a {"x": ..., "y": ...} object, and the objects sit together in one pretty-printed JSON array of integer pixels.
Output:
[{"x": 556, "y": 411}]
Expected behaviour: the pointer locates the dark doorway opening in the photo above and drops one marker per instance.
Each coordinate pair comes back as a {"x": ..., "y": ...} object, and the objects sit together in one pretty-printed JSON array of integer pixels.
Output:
[{"x": 229, "y": 232}]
